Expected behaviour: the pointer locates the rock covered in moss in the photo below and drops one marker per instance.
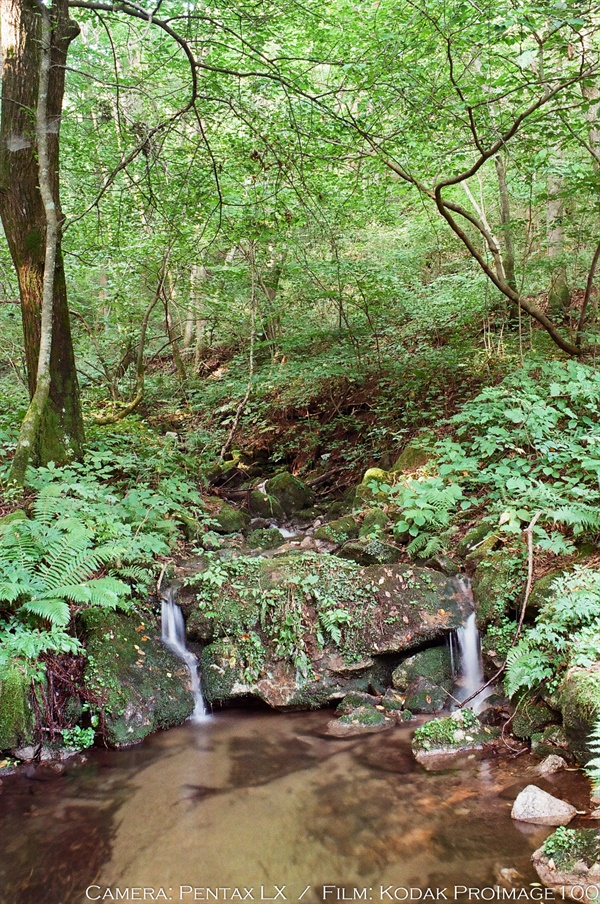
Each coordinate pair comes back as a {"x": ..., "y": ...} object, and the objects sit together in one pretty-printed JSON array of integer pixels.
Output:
[
  {"x": 338, "y": 531},
  {"x": 291, "y": 494},
  {"x": 579, "y": 702},
  {"x": 229, "y": 520},
  {"x": 364, "y": 719},
  {"x": 568, "y": 863},
  {"x": 415, "y": 454},
  {"x": 473, "y": 538},
  {"x": 374, "y": 521},
  {"x": 353, "y": 701},
  {"x": 16, "y": 717},
  {"x": 459, "y": 732},
  {"x": 551, "y": 740},
  {"x": 497, "y": 585},
  {"x": 541, "y": 591},
  {"x": 369, "y": 551},
  {"x": 301, "y": 630},
  {"x": 264, "y": 506},
  {"x": 265, "y": 538},
  {"x": 373, "y": 486},
  {"x": 531, "y": 717},
  {"x": 142, "y": 684},
  {"x": 433, "y": 664}
]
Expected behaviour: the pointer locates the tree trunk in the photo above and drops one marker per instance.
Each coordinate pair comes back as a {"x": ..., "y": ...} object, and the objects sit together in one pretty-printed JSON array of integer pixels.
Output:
[
  {"x": 60, "y": 435},
  {"x": 508, "y": 258},
  {"x": 558, "y": 293}
]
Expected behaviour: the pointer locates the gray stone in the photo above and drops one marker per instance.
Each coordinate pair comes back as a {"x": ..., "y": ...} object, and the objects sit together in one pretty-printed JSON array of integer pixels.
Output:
[
  {"x": 541, "y": 809},
  {"x": 553, "y": 763}
]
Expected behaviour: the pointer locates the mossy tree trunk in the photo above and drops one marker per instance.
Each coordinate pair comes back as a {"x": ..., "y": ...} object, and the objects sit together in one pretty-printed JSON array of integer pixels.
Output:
[{"x": 58, "y": 429}]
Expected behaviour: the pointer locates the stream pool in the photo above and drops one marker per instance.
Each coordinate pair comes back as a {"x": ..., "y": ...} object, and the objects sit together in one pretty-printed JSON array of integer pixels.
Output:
[{"x": 247, "y": 802}]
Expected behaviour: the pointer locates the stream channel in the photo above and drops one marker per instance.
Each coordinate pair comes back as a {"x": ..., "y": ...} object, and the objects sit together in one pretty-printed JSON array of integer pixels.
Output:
[{"x": 250, "y": 798}]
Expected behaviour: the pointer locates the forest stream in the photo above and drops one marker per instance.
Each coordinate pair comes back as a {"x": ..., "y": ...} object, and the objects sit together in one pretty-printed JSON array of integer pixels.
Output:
[{"x": 251, "y": 800}]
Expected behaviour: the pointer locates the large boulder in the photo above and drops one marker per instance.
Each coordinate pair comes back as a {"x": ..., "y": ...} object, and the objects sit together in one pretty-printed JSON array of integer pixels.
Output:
[
  {"x": 291, "y": 494},
  {"x": 497, "y": 585},
  {"x": 16, "y": 717},
  {"x": 425, "y": 679},
  {"x": 541, "y": 809},
  {"x": 338, "y": 531},
  {"x": 369, "y": 551},
  {"x": 302, "y": 630},
  {"x": 142, "y": 684}
]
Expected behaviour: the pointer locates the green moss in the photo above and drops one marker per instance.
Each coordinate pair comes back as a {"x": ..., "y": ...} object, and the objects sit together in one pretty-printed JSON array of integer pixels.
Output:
[
  {"x": 365, "y": 715},
  {"x": 579, "y": 701},
  {"x": 16, "y": 721},
  {"x": 367, "y": 551},
  {"x": 351, "y": 702},
  {"x": 266, "y": 538},
  {"x": 264, "y": 506},
  {"x": 229, "y": 520},
  {"x": 433, "y": 664},
  {"x": 143, "y": 686},
  {"x": 424, "y": 696},
  {"x": 497, "y": 584},
  {"x": 460, "y": 730},
  {"x": 473, "y": 537},
  {"x": 374, "y": 521},
  {"x": 569, "y": 846},
  {"x": 531, "y": 717},
  {"x": 339, "y": 530},
  {"x": 415, "y": 454},
  {"x": 291, "y": 493}
]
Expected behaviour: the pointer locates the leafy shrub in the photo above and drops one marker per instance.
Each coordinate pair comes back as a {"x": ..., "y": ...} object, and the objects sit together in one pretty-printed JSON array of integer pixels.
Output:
[{"x": 567, "y": 632}]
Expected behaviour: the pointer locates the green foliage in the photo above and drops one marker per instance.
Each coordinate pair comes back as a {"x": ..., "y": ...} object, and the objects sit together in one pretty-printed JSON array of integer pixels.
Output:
[
  {"x": 593, "y": 765},
  {"x": 77, "y": 737},
  {"x": 46, "y": 566},
  {"x": 458, "y": 730},
  {"x": 566, "y": 632},
  {"x": 426, "y": 506},
  {"x": 567, "y": 846}
]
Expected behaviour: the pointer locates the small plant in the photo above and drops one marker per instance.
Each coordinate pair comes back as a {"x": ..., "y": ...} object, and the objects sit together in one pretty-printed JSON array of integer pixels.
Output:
[
  {"x": 78, "y": 738},
  {"x": 457, "y": 730},
  {"x": 567, "y": 846}
]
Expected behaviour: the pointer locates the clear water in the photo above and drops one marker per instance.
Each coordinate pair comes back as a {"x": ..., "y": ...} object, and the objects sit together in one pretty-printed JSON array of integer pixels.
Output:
[
  {"x": 254, "y": 798},
  {"x": 471, "y": 676}
]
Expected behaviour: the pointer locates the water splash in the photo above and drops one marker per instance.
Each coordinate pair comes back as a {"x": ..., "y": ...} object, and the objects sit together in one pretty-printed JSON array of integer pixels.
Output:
[{"x": 173, "y": 636}]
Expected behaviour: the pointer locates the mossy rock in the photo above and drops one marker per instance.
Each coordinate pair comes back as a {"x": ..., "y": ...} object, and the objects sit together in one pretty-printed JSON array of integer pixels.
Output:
[
  {"x": 552, "y": 740},
  {"x": 353, "y": 701},
  {"x": 497, "y": 586},
  {"x": 393, "y": 701},
  {"x": 460, "y": 731},
  {"x": 229, "y": 520},
  {"x": 266, "y": 538},
  {"x": 579, "y": 701},
  {"x": 423, "y": 696},
  {"x": 374, "y": 521},
  {"x": 191, "y": 527},
  {"x": 369, "y": 489},
  {"x": 541, "y": 591},
  {"x": 367, "y": 551},
  {"x": 482, "y": 550},
  {"x": 473, "y": 538},
  {"x": 264, "y": 506},
  {"x": 291, "y": 493},
  {"x": 415, "y": 454},
  {"x": 143, "y": 685},
  {"x": 338, "y": 531},
  {"x": 531, "y": 717},
  {"x": 16, "y": 718},
  {"x": 443, "y": 563},
  {"x": 433, "y": 664},
  {"x": 365, "y": 715}
]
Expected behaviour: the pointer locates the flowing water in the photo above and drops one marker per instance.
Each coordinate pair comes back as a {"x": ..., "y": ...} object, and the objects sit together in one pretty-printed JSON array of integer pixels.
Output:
[
  {"x": 173, "y": 636},
  {"x": 252, "y": 798},
  {"x": 470, "y": 666}
]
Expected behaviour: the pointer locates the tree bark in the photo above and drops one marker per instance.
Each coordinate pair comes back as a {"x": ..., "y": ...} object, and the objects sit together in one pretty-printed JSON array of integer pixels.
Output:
[{"x": 59, "y": 436}]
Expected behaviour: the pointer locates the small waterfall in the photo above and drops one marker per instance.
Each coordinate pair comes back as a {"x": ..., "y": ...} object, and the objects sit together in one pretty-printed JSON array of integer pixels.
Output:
[
  {"x": 173, "y": 636},
  {"x": 470, "y": 672}
]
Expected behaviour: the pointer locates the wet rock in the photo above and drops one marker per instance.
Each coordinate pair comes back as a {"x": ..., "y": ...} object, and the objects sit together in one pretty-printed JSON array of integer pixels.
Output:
[
  {"x": 551, "y": 741},
  {"x": 143, "y": 685},
  {"x": 552, "y": 764},
  {"x": 441, "y": 739},
  {"x": 353, "y": 701},
  {"x": 369, "y": 551},
  {"x": 567, "y": 875},
  {"x": 473, "y": 538},
  {"x": 423, "y": 696},
  {"x": 393, "y": 702},
  {"x": 542, "y": 809},
  {"x": 444, "y": 564},
  {"x": 364, "y": 719},
  {"x": 292, "y": 494}
]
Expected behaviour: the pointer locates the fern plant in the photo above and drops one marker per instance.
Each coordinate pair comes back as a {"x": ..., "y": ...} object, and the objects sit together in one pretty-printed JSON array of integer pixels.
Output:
[
  {"x": 47, "y": 564},
  {"x": 593, "y": 766},
  {"x": 426, "y": 508}
]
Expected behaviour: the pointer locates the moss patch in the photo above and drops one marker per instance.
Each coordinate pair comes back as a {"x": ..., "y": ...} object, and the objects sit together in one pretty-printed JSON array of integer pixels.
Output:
[{"x": 16, "y": 721}]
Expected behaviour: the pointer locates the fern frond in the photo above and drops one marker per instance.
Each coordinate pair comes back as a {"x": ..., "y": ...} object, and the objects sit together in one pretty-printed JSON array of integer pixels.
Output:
[{"x": 55, "y": 611}]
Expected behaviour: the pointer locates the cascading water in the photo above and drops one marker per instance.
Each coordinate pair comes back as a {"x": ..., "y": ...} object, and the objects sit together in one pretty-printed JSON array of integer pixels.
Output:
[
  {"x": 470, "y": 666},
  {"x": 173, "y": 636}
]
